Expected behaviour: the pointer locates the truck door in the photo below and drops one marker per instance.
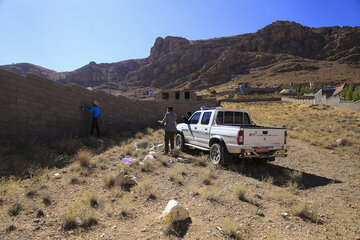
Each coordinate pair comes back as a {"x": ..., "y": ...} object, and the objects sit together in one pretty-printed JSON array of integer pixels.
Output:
[
  {"x": 192, "y": 132},
  {"x": 204, "y": 129}
]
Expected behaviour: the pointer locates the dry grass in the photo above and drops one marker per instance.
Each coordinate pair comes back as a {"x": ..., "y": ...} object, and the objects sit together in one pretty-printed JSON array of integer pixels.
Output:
[
  {"x": 109, "y": 180},
  {"x": 303, "y": 210},
  {"x": 84, "y": 157},
  {"x": 67, "y": 146},
  {"x": 206, "y": 177},
  {"x": 335, "y": 123},
  {"x": 240, "y": 192},
  {"x": 211, "y": 193},
  {"x": 201, "y": 161},
  {"x": 176, "y": 174},
  {"x": 142, "y": 144},
  {"x": 164, "y": 160},
  {"x": 230, "y": 229},
  {"x": 15, "y": 208},
  {"x": 148, "y": 188},
  {"x": 45, "y": 197},
  {"x": 175, "y": 152},
  {"x": 125, "y": 209},
  {"x": 78, "y": 214}
]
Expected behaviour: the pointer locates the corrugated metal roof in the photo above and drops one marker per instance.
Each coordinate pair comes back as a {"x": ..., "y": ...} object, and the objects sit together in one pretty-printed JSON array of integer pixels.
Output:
[{"x": 339, "y": 90}]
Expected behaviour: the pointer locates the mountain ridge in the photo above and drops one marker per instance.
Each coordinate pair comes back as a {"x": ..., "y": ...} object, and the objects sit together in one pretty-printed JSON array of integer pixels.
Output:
[{"x": 176, "y": 62}]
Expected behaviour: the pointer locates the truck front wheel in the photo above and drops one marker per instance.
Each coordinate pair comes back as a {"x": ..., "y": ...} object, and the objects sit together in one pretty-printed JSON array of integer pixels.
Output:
[
  {"x": 217, "y": 154},
  {"x": 180, "y": 142}
]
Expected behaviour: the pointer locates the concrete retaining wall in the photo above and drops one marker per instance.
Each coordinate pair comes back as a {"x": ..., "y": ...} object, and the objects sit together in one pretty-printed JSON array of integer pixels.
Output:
[
  {"x": 336, "y": 102},
  {"x": 300, "y": 101},
  {"x": 35, "y": 107}
]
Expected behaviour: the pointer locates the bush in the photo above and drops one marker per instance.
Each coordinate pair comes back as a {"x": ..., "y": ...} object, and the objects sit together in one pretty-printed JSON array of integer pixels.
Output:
[
  {"x": 302, "y": 209},
  {"x": 230, "y": 228},
  {"x": 240, "y": 192},
  {"x": 349, "y": 92}
]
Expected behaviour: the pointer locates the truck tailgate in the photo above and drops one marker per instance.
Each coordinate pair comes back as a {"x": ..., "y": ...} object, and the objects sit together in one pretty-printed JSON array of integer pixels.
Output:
[{"x": 263, "y": 137}]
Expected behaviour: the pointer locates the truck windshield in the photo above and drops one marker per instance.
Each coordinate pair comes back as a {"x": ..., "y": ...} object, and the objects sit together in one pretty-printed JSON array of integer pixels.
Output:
[{"x": 232, "y": 118}]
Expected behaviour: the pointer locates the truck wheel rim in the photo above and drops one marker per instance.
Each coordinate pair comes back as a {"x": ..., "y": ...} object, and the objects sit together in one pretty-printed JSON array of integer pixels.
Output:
[
  {"x": 178, "y": 141},
  {"x": 215, "y": 154}
]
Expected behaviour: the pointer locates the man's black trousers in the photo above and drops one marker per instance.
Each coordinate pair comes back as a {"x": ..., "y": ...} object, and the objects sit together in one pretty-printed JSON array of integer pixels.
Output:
[{"x": 95, "y": 124}]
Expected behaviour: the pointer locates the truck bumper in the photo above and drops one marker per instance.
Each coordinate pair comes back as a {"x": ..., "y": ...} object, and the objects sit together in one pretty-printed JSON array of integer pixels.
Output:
[{"x": 250, "y": 153}]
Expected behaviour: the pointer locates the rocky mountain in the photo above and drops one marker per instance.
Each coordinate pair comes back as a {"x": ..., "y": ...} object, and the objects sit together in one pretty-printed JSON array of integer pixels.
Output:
[
  {"x": 23, "y": 68},
  {"x": 176, "y": 62}
]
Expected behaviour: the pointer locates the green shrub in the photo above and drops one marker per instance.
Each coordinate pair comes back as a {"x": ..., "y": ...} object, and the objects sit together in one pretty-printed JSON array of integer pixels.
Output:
[{"x": 356, "y": 94}]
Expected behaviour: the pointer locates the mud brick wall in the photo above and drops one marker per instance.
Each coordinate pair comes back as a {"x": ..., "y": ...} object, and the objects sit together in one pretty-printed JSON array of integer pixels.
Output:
[{"x": 35, "y": 107}]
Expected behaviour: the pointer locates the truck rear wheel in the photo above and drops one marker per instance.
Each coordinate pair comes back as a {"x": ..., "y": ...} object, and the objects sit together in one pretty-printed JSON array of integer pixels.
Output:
[
  {"x": 180, "y": 142},
  {"x": 217, "y": 154}
]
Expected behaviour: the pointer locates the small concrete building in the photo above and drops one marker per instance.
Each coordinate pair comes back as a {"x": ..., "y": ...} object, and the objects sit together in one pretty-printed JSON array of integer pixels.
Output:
[
  {"x": 176, "y": 95},
  {"x": 323, "y": 94}
]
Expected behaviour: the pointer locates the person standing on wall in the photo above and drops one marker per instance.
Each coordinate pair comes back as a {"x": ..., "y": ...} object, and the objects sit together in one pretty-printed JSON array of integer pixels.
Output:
[
  {"x": 95, "y": 117},
  {"x": 170, "y": 128}
]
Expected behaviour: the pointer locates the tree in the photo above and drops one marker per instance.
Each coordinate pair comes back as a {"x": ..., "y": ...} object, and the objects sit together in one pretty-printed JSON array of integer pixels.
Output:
[
  {"x": 349, "y": 92},
  {"x": 356, "y": 94}
]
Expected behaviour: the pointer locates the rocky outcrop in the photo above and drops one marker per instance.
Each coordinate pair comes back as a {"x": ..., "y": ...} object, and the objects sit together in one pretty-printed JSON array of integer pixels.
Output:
[{"x": 176, "y": 62}]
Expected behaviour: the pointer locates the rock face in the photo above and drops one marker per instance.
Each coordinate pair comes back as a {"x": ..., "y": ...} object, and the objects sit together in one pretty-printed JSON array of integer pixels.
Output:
[{"x": 176, "y": 62}]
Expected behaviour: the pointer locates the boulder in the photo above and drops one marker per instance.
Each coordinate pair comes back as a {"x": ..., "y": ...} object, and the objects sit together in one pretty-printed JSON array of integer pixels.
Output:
[
  {"x": 177, "y": 212},
  {"x": 123, "y": 179}
]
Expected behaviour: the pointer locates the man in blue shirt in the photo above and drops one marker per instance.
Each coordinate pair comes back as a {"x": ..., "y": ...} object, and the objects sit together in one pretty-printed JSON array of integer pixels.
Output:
[{"x": 95, "y": 118}]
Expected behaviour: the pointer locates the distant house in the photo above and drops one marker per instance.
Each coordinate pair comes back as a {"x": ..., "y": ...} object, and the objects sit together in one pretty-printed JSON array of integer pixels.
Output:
[
  {"x": 288, "y": 91},
  {"x": 176, "y": 95}
]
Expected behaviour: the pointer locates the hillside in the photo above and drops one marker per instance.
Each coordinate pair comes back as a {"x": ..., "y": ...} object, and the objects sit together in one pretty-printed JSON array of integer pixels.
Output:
[{"x": 276, "y": 54}]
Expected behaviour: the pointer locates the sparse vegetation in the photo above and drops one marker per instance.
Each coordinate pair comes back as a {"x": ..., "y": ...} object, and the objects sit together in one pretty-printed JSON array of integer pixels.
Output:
[
  {"x": 45, "y": 197},
  {"x": 109, "y": 180},
  {"x": 78, "y": 214},
  {"x": 230, "y": 228},
  {"x": 201, "y": 160},
  {"x": 15, "y": 209},
  {"x": 175, "y": 152},
  {"x": 240, "y": 192},
  {"x": 206, "y": 177},
  {"x": 147, "y": 166},
  {"x": 147, "y": 188},
  {"x": 303, "y": 210},
  {"x": 176, "y": 174},
  {"x": 84, "y": 157},
  {"x": 142, "y": 144},
  {"x": 211, "y": 193}
]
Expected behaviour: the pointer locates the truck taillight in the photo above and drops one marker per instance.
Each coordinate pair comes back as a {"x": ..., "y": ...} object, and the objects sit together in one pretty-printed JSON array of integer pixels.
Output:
[
  {"x": 240, "y": 137},
  {"x": 285, "y": 137}
]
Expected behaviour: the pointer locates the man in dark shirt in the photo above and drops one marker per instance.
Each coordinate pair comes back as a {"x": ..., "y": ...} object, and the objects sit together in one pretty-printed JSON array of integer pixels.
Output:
[
  {"x": 95, "y": 118},
  {"x": 170, "y": 128}
]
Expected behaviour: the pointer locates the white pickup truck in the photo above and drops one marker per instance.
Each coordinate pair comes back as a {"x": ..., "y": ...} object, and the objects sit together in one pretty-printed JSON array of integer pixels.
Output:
[{"x": 228, "y": 133}]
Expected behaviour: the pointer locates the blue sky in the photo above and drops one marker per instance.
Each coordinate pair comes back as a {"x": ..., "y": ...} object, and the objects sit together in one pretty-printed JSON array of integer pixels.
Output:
[{"x": 64, "y": 35}]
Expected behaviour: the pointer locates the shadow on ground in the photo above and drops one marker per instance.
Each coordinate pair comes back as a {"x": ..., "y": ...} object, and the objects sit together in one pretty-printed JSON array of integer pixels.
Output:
[{"x": 279, "y": 175}]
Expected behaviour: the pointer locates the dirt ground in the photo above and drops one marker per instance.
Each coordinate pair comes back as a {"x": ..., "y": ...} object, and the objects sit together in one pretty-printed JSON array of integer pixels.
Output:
[{"x": 326, "y": 181}]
